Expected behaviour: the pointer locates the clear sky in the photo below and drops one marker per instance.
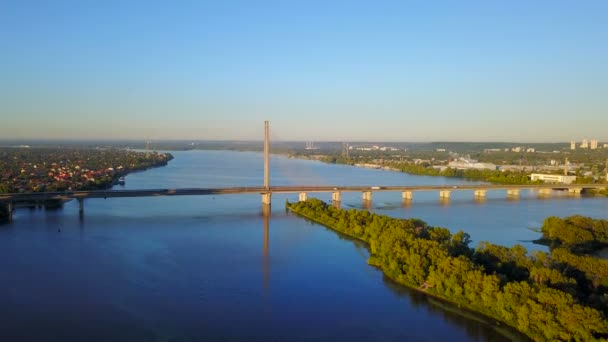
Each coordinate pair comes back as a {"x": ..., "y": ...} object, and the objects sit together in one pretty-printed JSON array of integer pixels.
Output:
[{"x": 327, "y": 70}]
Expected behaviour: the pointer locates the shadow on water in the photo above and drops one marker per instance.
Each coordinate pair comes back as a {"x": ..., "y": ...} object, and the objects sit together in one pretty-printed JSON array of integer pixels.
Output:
[{"x": 477, "y": 326}]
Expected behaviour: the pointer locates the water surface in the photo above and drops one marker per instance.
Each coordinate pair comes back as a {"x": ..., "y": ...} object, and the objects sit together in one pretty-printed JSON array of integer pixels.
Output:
[{"x": 214, "y": 268}]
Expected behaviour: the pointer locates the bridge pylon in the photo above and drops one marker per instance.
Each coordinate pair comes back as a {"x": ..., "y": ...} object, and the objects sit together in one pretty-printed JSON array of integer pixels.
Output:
[{"x": 266, "y": 196}]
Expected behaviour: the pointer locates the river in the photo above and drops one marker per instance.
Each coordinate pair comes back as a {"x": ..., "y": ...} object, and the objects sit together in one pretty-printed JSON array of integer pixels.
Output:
[{"x": 207, "y": 268}]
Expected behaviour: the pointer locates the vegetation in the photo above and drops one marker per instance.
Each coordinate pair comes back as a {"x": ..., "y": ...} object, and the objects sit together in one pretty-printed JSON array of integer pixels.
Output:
[
  {"x": 578, "y": 234},
  {"x": 494, "y": 176},
  {"x": 541, "y": 295},
  {"x": 60, "y": 169}
]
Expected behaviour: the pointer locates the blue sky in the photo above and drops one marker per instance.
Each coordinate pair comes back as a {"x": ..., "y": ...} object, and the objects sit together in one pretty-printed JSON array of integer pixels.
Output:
[{"x": 326, "y": 70}]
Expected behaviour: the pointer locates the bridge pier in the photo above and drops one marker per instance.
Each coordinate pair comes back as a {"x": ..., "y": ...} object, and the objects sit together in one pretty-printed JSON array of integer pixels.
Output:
[
  {"x": 445, "y": 194},
  {"x": 266, "y": 198},
  {"x": 576, "y": 191},
  {"x": 81, "y": 207},
  {"x": 513, "y": 193},
  {"x": 480, "y": 193},
  {"x": 366, "y": 195},
  {"x": 266, "y": 210},
  {"x": 406, "y": 195},
  {"x": 303, "y": 197},
  {"x": 9, "y": 212},
  {"x": 336, "y": 197}
]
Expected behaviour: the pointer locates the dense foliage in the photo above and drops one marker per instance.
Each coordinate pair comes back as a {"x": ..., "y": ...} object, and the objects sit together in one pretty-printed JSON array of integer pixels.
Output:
[
  {"x": 494, "y": 176},
  {"x": 576, "y": 233},
  {"x": 60, "y": 169},
  {"x": 538, "y": 295}
]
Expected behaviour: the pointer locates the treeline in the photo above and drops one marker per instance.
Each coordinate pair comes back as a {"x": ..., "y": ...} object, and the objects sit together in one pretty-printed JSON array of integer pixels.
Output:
[
  {"x": 577, "y": 233},
  {"x": 337, "y": 160},
  {"x": 538, "y": 295},
  {"x": 494, "y": 176},
  {"x": 425, "y": 169}
]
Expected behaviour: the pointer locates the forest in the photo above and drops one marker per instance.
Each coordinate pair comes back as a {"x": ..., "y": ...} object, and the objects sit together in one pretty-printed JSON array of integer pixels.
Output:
[
  {"x": 547, "y": 296},
  {"x": 577, "y": 233}
]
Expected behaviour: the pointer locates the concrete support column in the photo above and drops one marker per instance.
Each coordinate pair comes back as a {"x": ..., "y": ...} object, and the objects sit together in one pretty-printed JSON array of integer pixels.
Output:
[
  {"x": 445, "y": 194},
  {"x": 480, "y": 193},
  {"x": 545, "y": 192},
  {"x": 9, "y": 212},
  {"x": 81, "y": 206},
  {"x": 336, "y": 196},
  {"x": 266, "y": 211},
  {"x": 303, "y": 197},
  {"x": 366, "y": 195},
  {"x": 266, "y": 198},
  {"x": 406, "y": 195},
  {"x": 577, "y": 191},
  {"x": 513, "y": 192}
]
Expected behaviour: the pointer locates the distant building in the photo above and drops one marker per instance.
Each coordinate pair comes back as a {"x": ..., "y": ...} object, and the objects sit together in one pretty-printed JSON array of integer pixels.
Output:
[
  {"x": 573, "y": 145},
  {"x": 440, "y": 150},
  {"x": 531, "y": 149},
  {"x": 310, "y": 145},
  {"x": 585, "y": 144},
  {"x": 488, "y": 150},
  {"x": 593, "y": 144},
  {"x": 465, "y": 163},
  {"x": 552, "y": 178},
  {"x": 516, "y": 149}
]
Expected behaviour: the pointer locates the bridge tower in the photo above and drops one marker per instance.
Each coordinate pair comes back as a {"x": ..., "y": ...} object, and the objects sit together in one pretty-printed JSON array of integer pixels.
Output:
[
  {"x": 147, "y": 148},
  {"x": 345, "y": 148},
  {"x": 266, "y": 195}
]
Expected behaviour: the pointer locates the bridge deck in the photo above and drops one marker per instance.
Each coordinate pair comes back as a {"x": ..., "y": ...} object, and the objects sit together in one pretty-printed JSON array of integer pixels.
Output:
[{"x": 42, "y": 196}]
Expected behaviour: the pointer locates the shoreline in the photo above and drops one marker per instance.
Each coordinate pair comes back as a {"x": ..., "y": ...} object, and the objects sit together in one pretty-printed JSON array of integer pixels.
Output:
[
  {"x": 453, "y": 305},
  {"x": 432, "y": 261},
  {"x": 4, "y": 219}
]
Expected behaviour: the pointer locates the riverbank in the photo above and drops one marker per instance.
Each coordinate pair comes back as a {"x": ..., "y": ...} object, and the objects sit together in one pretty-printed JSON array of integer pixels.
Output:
[
  {"x": 507, "y": 331},
  {"x": 55, "y": 170},
  {"x": 63, "y": 169},
  {"x": 438, "y": 263}
]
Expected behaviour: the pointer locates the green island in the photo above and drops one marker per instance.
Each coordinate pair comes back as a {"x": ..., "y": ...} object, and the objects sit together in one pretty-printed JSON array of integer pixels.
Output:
[
  {"x": 576, "y": 234},
  {"x": 560, "y": 295}
]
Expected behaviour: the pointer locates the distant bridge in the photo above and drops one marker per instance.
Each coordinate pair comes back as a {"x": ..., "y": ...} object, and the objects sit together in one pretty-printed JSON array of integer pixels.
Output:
[{"x": 479, "y": 190}]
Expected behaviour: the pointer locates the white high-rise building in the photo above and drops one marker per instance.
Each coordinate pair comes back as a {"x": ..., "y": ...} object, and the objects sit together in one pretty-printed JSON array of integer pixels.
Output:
[
  {"x": 573, "y": 145},
  {"x": 593, "y": 144},
  {"x": 585, "y": 144}
]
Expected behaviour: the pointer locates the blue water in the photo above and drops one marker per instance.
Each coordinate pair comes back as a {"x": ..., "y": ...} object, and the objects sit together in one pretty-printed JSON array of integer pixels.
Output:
[{"x": 207, "y": 268}]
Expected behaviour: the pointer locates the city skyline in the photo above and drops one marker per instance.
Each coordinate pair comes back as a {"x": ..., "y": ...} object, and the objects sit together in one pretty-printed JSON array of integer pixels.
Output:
[{"x": 516, "y": 72}]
